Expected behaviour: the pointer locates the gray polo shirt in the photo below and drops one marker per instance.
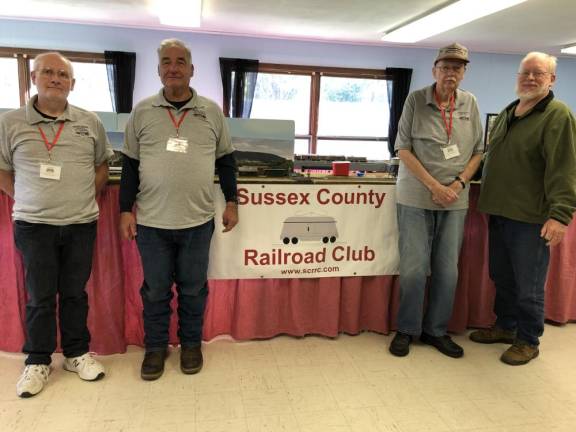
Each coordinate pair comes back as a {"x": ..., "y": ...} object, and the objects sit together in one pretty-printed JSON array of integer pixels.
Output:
[
  {"x": 82, "y": 145},
  {"x": 422, "y": 131},
  {"x": 176, "y": 188}
]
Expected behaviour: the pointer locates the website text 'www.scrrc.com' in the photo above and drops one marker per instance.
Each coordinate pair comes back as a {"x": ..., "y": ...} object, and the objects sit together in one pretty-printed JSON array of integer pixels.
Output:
[{"x": 310, "y": 270}]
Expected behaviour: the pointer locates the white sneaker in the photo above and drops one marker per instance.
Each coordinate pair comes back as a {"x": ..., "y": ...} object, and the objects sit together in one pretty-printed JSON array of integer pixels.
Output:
[
  {"x": 32, "y": 380},
  {"x": 85, "y": 366}
]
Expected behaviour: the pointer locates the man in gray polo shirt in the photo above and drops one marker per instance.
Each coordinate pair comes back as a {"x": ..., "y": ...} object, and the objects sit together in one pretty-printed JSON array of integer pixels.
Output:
[
  {"x": 173, "y": 142},
  {"x": 439, "y": 143},
  {"x": 53, "y": 162}
]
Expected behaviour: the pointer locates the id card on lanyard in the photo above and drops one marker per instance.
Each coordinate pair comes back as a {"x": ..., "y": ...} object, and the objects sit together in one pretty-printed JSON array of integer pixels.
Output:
[
  {"x": 449, "y": 150},
  {"x": 50, "y": 169},
  {"x": 177, "y": 144}
]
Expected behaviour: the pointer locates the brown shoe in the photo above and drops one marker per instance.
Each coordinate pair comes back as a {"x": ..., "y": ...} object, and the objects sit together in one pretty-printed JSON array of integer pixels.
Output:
[
  {"x": 520, "y": 353},
  {"x": 153, "y": 365},
  {"x": 191, "y": 360},
  {"x": 493, "y": 335}
]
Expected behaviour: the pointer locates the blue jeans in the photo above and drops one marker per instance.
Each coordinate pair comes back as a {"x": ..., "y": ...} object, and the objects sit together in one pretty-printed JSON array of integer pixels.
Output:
[
  {"x": 518, "y": 264},
  {"x": 429, "y": 244},
  {"x": 181, "y": 257},
  {"x": 58, "y": 262}
]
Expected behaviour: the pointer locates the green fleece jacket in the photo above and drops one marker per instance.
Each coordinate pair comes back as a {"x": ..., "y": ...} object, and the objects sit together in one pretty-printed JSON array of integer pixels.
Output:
[{"x": 530, "y": 167}]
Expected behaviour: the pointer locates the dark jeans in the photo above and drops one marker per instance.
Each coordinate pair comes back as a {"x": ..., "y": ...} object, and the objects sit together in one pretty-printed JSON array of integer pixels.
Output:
[
  {"x": 58, "y": 262},
  {"x": 181, "y": 257},
  {"x": 518, "y": 265}
]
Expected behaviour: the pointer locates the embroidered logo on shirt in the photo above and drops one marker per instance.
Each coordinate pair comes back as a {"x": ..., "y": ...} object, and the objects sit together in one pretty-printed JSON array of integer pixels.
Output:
[
  {"x": 199, "y": 112},
  {"x": 463, "y": 115},
  {"x": 81, "y": 130}
]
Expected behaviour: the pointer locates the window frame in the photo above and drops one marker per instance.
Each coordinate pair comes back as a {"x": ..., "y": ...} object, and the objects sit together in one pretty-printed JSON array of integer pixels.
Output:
[
  {"x": 316, "y": 73},
  {"x": 25, "y": 55}
]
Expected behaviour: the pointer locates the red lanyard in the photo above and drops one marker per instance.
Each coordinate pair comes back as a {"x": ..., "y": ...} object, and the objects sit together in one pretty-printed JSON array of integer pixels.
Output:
[
  {"x": 447, "y": 126},
  {"x": 180, "y": 120},
  {"x": 50, "y": 145}
]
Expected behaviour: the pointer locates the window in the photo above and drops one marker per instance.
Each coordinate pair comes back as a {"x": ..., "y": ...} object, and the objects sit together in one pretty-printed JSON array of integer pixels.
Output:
[
  {"x": 90, "y": 92},
  {"x": 9, "y": 91},
  {"x": 284, "y": 97},
  {"x": 339, "y": 112}
]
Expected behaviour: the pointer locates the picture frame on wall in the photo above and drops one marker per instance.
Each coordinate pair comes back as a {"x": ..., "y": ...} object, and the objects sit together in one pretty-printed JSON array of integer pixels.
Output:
[{"x": 490, "y": 118}]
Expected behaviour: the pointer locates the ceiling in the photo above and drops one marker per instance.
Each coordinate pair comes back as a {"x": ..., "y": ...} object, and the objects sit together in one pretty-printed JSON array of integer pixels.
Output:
[{"x": 543, "y": 25}]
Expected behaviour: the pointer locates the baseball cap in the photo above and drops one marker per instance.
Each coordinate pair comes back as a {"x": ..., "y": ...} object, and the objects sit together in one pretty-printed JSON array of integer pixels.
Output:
[{"x": 454, "y": 51}]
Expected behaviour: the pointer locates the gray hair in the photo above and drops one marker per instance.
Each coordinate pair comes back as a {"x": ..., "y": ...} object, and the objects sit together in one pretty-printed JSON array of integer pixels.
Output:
[
  {"x": 550, "y": 60},
  {"x": 169, "y": 43},
  {"x": 39, "y": 57}
]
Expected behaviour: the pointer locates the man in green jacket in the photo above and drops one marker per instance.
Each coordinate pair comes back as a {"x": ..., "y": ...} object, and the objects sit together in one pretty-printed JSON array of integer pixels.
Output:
[{"x": 529, "y": 190}]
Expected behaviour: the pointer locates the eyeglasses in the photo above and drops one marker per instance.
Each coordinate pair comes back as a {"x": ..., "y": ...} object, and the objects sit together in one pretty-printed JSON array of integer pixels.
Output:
[
  {"x": 454, "y": 68},
  {"x": 535, "y": 74},
  {"x": 50, "y": 73}
]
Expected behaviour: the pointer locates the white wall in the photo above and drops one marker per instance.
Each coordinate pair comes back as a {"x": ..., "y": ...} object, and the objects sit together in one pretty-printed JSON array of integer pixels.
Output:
[{"x": 490, "y": 77}]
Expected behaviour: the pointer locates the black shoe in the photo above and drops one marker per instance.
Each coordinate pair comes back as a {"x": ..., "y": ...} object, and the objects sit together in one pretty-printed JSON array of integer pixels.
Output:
[
  {"x": 400, "y": 345},
  {"x": 444, "y": 344},
  {"x": 191, "y": 360},
  {"x": 153, "y": 365}
]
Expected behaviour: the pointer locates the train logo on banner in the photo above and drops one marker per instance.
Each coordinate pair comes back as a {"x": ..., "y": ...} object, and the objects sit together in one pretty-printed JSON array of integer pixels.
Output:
[{"x": 309, "y": 228}]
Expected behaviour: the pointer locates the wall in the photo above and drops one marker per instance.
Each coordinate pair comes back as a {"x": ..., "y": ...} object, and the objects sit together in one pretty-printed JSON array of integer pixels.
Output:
[{"x": 490, "y": 77}]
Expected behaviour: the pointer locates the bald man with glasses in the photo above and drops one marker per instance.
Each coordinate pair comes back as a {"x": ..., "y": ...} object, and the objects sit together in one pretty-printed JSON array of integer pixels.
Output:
[{"x": 54, "y": 162}]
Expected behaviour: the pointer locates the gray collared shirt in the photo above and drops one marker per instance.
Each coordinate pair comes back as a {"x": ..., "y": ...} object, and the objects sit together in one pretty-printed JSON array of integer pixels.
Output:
[
  {"x": 176, "y": 189},
  {"x": 82, "y": 146},
  {"x": 422, "y": 131}
]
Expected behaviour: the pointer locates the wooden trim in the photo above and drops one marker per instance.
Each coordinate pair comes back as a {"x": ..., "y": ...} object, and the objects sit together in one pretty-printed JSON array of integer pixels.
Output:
[
  {"x": 24, "y": 83},
  {"x": 323, "y": 70},
  {"x": 352, "y": 138},
  {"x": 76, "y": 56},
  {"x": 314, "y": 104}
]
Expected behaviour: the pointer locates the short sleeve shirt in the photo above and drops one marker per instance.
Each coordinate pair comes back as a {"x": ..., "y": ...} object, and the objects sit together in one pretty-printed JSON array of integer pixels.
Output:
[
  {"x": 81, "y": 147},
  {"x": 422, "y": 131},
  {"x": 176, "y": 188}
]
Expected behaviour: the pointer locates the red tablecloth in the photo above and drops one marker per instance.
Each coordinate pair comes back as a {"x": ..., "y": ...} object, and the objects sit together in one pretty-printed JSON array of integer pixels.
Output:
[{"x": 251, "y": 309}]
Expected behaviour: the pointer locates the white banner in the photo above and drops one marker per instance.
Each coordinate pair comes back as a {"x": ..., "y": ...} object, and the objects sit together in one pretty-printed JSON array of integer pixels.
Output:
[{"x": 302, "y": 231}]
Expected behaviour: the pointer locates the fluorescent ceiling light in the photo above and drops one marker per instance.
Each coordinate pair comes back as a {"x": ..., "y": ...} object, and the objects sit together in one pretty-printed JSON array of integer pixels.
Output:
[
  {"x": 569, "y": 50},
  {"x": 179, "y": 13},
  {"x": 453, "y": 15}
]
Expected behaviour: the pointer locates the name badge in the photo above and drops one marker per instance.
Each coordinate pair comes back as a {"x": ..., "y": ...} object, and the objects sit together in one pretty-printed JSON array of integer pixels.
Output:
[
  {"x": 50, "y": 170},
  {"x": 178, "y": 145},
  {"x": 450, "y": 151}
]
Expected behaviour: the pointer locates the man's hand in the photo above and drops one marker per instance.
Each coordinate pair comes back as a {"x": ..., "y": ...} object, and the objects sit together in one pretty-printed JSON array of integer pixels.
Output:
[
  {"x": 553, "y": 232},
  {"x": 230, "y": 216},
  {"x": 127, "y": 226},
  {"x": 445, "y": 195}
]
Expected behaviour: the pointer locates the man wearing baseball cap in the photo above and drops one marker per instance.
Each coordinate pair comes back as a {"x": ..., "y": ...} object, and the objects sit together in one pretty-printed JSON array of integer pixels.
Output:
[{"x": 439, "y": 144}]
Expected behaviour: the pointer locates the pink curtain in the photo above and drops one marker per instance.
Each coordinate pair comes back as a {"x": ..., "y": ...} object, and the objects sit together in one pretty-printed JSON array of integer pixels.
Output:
[{"x": 252, "y": 309}]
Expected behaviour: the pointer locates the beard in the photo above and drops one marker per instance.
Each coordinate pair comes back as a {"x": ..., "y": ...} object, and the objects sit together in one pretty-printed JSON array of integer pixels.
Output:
[{"x": 536, "y": 93}]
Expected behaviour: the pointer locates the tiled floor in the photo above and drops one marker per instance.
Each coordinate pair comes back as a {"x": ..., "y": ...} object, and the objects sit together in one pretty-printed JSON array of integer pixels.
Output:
[{"x": 310, "y": 384}]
